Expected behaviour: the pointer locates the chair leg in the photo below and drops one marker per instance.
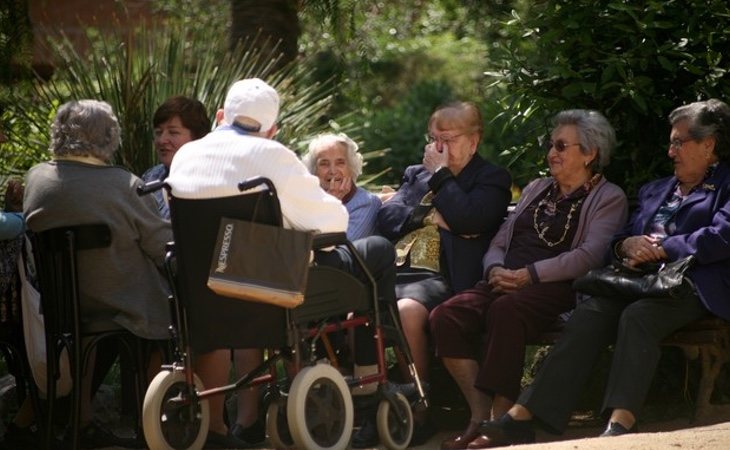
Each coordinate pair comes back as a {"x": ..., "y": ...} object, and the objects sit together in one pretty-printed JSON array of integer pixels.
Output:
[
  {"x": 81, "y": 388},
  {"x": 51, "y": 374}
]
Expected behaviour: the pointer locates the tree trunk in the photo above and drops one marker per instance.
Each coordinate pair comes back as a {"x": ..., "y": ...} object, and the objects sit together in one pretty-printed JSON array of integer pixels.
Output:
[{"x": 267, "y": 24}]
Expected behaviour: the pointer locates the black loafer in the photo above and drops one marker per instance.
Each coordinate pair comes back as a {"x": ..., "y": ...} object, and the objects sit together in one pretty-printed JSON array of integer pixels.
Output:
[
  {"x": 422, "y": 432},
  {"x": 94, "y": 435},
  {"x": 253, "y": 435},
  {"x": 508, "y": 431},
  {"x": 616, "y": 429},
  {"x": 366, "y": 436},
  {"x": 224, "y": 441}
]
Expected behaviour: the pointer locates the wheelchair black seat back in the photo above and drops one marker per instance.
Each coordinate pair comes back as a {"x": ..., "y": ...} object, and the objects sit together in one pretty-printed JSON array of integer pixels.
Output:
[
  {"x": 195, "y": 229},
  {"x": 215, "y": 321}
]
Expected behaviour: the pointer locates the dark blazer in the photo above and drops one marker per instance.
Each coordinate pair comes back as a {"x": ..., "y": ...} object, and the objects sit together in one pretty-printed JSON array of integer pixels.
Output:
[
  {"x": 472, "y": 203},
  {"x": 703, "y": 230}
]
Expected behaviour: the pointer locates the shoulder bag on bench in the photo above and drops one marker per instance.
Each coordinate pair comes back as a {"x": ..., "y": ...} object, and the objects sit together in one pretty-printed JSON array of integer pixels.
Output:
[{"x": 620, "y": 281}]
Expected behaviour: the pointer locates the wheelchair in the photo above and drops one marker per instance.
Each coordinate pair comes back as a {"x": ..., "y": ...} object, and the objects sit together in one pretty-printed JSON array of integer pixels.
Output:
[{"x": 308, "y": 401}]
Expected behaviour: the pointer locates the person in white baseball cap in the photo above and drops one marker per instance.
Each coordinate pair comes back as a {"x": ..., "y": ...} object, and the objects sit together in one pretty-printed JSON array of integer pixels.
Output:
[
  {"x": 252, "y": 105},
  {"x": 240, "y": 148}
]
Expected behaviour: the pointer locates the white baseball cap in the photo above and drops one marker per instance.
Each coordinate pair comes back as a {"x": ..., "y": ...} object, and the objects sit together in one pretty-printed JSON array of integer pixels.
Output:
[{"x": 251, "y": 103}]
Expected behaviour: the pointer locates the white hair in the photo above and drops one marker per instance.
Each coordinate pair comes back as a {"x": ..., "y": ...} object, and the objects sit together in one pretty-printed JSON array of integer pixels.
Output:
[
  {"x": 354, "y": 158},
  {"x": 85, "y": 128}
]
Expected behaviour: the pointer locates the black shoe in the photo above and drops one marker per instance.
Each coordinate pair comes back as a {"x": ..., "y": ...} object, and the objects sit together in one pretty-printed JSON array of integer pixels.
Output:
[
  {"x": 366, "y": 436},
  {"x": 17, "y": 438},
  {"x": 508, "y": 431},
  {"x": 94, "y": 435},
  {"x": 255, "y": 434},
  {"x": 224, "y": 441},
  {"x": 422, "y": 432},
  {"x": 616, "y": 429}
]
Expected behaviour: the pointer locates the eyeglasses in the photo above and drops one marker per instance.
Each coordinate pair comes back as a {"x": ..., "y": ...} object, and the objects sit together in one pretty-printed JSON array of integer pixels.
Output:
[
  {"x": 559, "y": 145},
  {"x": 677, "y": 143},
  {"x": 444, "y": 140}
]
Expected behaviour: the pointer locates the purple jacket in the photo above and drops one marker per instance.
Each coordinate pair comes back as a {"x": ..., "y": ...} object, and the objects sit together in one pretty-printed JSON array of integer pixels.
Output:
[
  {"x": 603, "y": 213},
  {"x": 703, "y": 230}
]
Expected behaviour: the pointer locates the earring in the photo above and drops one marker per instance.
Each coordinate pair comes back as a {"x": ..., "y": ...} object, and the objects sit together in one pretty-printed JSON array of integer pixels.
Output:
[{"x": 586, "y": 163}]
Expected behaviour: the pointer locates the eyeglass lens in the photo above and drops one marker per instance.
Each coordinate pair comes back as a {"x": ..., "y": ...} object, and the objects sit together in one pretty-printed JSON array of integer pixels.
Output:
[
  {"x": 559, "y": 145},
  {"x": 443, "y": 140},
  {"x": 677, "y": 144}
]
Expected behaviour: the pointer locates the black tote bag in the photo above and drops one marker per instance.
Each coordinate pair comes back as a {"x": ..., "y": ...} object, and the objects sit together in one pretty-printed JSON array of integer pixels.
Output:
[{"x": 260, "y": 263}]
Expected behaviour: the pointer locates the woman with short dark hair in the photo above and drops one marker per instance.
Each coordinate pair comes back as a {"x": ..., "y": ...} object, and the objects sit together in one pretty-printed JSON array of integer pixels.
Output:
[{"x": 177, "y": 121}]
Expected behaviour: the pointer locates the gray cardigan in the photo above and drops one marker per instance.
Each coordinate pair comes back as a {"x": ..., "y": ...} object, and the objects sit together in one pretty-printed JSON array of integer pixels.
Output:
[
  {"x": 120, "y": 285},
  {"x": 604, "y": 212}
]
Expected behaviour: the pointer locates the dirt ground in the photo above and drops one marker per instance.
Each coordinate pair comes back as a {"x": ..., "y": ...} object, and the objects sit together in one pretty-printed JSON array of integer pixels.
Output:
[
  {"x": 665, "y": 423},
  {"x": 677, "y": 434},
  {"x": 711, "y": 434}
]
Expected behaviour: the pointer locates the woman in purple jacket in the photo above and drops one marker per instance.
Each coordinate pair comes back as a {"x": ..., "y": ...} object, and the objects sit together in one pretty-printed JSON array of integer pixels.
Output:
[
  {"x": 685, "y": 214},
  {"x": 560, "y": 229}
]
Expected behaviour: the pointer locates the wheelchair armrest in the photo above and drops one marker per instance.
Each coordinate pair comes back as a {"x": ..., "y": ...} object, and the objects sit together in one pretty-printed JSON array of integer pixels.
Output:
[
  {"x": 152, "y": 186},
  {"x": 328, "y": 239},
  {"x": 253, "y": 182}
]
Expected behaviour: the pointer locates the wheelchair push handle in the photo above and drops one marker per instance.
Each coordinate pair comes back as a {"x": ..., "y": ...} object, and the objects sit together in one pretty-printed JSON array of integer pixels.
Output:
[
  {"x": 255, "y": 182},
  {"x": 150, "y": 187}
]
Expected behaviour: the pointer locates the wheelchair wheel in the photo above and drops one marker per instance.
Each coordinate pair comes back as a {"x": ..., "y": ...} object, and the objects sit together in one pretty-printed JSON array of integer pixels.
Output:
[
  {"x": 395, "y": 422},
  {"x": 319, "y": 409},
  {"x": 171, "y": 424},
  {"x": 277, "y": 427}
]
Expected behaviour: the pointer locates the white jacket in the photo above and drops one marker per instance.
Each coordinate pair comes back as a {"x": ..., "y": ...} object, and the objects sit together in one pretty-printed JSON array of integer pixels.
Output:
[{"x": 214, "y": 165}]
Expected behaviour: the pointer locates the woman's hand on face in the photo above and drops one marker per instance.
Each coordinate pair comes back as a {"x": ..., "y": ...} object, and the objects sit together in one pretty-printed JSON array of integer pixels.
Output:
[
  {"x": 433, "y": 158},
  {"x": 642, "y": 249},
  {"x": 339, "y": 188}
]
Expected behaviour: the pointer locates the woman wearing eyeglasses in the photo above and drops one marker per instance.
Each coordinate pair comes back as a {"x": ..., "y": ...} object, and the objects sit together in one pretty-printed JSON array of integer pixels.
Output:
[
  {"x": 677, "y": 216},
  {"x": 560, "y": 228},
  {"x": 442, "y": 218}
]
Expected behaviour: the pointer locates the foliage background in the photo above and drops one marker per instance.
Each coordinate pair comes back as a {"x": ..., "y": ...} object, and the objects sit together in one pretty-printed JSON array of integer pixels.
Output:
[
  {"x": 376, "y": 69},
  {"x": 634, "y": 61},
  {"x": 380, "y": 68}
]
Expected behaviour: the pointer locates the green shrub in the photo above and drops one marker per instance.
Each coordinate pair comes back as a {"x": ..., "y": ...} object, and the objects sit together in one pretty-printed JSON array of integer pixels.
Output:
[
  {"x": 138, "y": 71},
  {"x": 634, "y": 61}
]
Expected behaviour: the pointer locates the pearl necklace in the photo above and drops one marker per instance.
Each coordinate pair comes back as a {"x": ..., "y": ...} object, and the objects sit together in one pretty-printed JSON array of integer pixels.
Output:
[{"x": 551, "y": 208}]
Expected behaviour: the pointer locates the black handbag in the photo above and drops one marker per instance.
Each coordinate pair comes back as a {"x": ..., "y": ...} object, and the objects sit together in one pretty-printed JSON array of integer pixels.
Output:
[{"x": 620, "y": 281}]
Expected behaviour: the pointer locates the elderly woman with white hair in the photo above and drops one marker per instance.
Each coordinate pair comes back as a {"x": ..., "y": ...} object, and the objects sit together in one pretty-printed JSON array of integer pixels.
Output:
[{"x": 335, "y": 160}]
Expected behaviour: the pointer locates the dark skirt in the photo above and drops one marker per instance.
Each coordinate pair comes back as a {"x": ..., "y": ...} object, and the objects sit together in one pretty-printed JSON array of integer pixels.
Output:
[{"x": 425, "y": 286}]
